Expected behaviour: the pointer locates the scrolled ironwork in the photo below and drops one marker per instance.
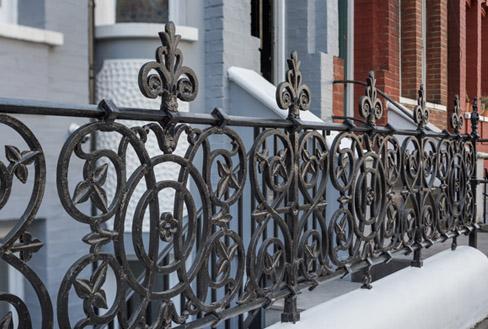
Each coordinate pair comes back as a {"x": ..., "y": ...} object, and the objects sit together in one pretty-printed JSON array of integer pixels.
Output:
[
  {"x": 257, "y": 210},
  {"x": 25, "y": 164}
]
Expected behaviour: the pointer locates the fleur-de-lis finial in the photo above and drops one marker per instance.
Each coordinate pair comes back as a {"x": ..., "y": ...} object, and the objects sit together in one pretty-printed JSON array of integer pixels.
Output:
[
  {"x": 167, "y": 77},
  {"x": 475, "y": 118},
  {"x": 292, "y": 94},
  {"x": 370, "y": 106},
  {"x": 456, "y": 117},
  {"x": 421, "y": 113}
]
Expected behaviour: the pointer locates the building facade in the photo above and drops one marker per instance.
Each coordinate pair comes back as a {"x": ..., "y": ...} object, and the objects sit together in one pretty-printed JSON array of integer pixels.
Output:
[
  {"x": 436, "y": 43},
  {"x": 86, "y": 51}
]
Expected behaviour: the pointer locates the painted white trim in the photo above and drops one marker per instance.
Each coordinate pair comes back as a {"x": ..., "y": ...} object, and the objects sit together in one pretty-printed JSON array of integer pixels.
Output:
[
  {"x": 279, "y": 40},
  {"x": 409, "y": 101},
  {"x": 175, "y": 11},
  {"x": 105, "y": 11},
  {"x": 31, "y": 34},
  {"x": 141, "y": 30},
  {"x": 8, "y": 12},
  {"x": 467, "y": 115}
]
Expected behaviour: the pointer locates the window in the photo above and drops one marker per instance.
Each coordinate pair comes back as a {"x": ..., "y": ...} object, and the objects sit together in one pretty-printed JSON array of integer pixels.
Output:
[
  {"x": 142, "y": 11},
  {"x": 8, "y": 11}
]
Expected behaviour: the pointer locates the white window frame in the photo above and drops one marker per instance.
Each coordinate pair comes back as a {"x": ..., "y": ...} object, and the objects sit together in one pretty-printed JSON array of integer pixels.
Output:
[
  {"x": 105, "y": 11},
  {"x": 8, "y": 11}
]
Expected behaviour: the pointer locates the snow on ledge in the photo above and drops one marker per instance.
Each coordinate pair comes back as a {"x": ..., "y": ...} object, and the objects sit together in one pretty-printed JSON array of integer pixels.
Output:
[
  {"x": 449, "y": 292},
  {"x": 263, "y": 91}
]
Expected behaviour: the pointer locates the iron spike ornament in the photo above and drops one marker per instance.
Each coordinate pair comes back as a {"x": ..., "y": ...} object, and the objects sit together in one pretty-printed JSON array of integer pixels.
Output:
[
  {"x": 292, "y": 94},
  {"x": 456, "y": 116},
  {"x": 167, "y": 77},
  {"x": 421, "y": 113},
  {"x": 475, "y": 118},
  {"x": 370, "y": 106}
]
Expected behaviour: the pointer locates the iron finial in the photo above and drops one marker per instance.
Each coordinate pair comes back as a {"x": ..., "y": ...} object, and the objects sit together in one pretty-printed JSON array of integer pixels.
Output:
[
  {"x": 421, "y": 113},
  {"x": 167, "y": 77},
  {"x": 456, "y": 117},
  {"x": 370, "y": 106},
  {"x": 292, "y": 94},
  {"x": 475, "y": 118}
]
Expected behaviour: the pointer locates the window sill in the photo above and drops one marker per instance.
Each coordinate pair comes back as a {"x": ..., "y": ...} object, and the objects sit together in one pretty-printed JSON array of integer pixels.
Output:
[
  {"x": 31, "y": 34},
  {"x": 409, "y": 101},
  {"x": 142, "y": 30},
  {"x": 467, "y": 115}
]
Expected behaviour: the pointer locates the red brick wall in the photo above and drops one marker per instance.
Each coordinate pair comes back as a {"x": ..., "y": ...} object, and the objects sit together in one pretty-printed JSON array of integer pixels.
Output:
[
  {"x": 411, "y": 47},
  {"x": 484, "y": 58},
  {"x": 338, "y": 89},
  {"x": 436, "y": 83},
  {"x": 456, "y": 53},
  {"x": 438, "y": 118},
  {"x": 376, "y": 45},
  {"x": 473, "y": 49}
]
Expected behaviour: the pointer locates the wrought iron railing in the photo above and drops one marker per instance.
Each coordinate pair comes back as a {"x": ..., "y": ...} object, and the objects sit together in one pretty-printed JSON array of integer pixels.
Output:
[{"x": 263, "y": 208}]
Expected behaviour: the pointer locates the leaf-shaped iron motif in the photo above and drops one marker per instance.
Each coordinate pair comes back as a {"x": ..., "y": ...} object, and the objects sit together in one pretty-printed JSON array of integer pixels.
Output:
[
  {"x": 167, "y": 77},
  {"x": 91, "y": 290},
  {"x": 227, "y": 179},
  {"x": 370, "y": 106},
  {"x": 27, "y": 246},
  {"x": 19, "y": 161},
  {"x": 99, "y": 238},
  {"x": 292, "y": 94},
  {"x": 91, "y": 188}
]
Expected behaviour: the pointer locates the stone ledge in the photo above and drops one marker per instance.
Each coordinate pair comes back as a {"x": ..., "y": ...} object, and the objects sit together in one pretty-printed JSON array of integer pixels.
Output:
[{"x": 449, "y": 292}]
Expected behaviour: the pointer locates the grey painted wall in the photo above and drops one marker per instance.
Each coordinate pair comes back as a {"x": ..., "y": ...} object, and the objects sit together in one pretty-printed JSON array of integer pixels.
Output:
[
  {"x": 228, "y": 42},
  {"x": 312, "y": 29},
  {"x": 60, "y": 74}
]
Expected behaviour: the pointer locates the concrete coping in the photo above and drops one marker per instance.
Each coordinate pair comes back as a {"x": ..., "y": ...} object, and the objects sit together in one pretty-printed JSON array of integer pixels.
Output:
[
  {"x": 263, "y": 91},
  {"x": 449, "y": 292},
  {"x": 142, "y": 31}
]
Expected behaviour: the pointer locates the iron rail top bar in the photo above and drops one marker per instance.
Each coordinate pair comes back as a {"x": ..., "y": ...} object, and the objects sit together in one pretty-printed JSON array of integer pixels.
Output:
[{"x": 34, "y": 107}]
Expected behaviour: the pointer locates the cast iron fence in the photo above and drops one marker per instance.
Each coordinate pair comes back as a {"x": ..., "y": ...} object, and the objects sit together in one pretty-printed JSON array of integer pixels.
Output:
[{"x": 251, "y": 222}]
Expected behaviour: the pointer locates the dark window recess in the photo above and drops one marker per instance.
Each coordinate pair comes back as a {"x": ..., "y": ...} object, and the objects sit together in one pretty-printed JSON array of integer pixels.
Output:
[
  {"x": 142, "y": 11},
  {"x": 343, "y": 29},
  {"x": 262, "y": 27}
]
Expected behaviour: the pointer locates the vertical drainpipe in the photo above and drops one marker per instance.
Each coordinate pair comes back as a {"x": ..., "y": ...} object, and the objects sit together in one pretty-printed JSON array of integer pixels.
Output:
[
  {"x": 91, "y": 51},
  {"x": 91, "y": 73}
]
